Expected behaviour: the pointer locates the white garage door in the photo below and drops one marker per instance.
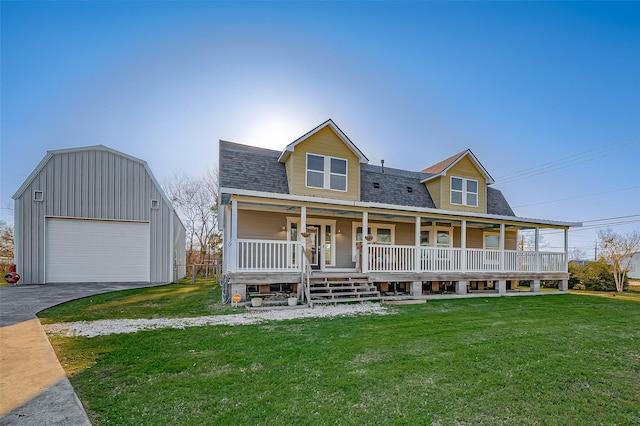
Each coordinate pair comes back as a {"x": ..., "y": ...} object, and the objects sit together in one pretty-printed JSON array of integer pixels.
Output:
[{"x": 96, "y": 251}]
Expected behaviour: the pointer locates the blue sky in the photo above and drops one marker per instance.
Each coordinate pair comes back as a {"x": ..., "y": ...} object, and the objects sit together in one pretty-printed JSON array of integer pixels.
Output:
[{"x": 522, "y": 85}]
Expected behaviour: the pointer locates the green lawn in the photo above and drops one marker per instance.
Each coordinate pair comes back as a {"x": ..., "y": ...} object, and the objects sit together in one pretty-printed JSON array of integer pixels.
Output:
[
  {"x": 555, "y": 359},
  {"x": 171, "y": 301}
]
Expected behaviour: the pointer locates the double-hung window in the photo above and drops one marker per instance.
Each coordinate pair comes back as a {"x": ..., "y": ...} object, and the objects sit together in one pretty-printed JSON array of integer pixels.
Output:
[
  {"x": 464, "y": 191},
  {"x": 326, "y": 172},
  {"x": 381, "y": 233}
]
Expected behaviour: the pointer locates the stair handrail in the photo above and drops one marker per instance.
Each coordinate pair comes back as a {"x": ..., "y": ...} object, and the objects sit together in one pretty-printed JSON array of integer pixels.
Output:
[{"x": 306, "y": 276}]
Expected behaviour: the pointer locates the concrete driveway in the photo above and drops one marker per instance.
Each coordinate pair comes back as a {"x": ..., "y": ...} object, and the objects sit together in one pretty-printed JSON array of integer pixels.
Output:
[{"x": 34, "y": 389}]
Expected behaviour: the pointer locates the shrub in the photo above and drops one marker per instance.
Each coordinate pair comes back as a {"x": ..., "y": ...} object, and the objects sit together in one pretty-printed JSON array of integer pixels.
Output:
[{"x": 595, "y": 276}]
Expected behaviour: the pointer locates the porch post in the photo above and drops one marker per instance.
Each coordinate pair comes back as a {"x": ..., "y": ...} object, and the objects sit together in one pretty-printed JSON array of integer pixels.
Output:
[
  {"x": 226, "y": 232},
  {"x": 365, "y": 245},
  {"x": 303, "y": 219},
  {"x": 463, "y": 246},
  {"x": 535, "y": 287},
  {"x": 461, "y": 287},
  {"x": 234, "y": 236},
  {"x": 501, "y": 246},
  {"x": 566, "y": 250},
  {"x": 417, "y": 244},
  {"x": 537, "y": 250}
]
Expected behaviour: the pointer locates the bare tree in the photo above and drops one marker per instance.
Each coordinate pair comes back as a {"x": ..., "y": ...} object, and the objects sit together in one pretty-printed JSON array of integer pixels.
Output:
[
  {"x": 6, "y": 246},
  {"x": 527, "y": 241},
  {"x": 577, "y": 254},
  {"x": 6, "y": 240},
  {"x": 617, "y": 250},
  {"x": 196, "y": 199}
]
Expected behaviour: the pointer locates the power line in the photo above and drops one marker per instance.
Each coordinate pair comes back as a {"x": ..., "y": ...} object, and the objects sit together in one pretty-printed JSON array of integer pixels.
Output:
[
  {"x": 577, "y": 156},
  {"x": 591, "y": 227},
  {"x": 611, "y": 218},
  {"x": 583, "y": 157},
  {"x": 579, "y": 196}
]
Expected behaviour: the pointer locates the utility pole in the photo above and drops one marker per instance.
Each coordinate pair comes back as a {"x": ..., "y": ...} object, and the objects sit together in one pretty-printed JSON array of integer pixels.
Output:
[{"x": 596, "y": 252}]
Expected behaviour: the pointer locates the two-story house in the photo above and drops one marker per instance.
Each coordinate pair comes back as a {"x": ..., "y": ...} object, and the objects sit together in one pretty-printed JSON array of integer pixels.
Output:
[{"x": 317, "y": 220}]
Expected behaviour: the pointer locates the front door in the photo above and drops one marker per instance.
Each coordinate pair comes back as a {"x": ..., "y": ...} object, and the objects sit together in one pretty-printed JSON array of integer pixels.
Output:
[{"x": 316, "y": 253}]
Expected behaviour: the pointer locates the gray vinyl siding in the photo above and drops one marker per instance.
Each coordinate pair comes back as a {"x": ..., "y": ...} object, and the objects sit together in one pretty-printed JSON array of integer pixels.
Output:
[{"x": 92, "y": 183}]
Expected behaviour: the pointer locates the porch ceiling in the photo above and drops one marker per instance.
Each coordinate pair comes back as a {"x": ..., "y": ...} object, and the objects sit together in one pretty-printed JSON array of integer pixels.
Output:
[{"x": 355, "y": 211}]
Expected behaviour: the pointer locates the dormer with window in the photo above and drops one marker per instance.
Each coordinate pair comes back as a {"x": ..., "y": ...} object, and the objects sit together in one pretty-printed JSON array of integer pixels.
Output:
[
  {"x": 459, "y": 183},
  {"x": 324, "y": 163}
]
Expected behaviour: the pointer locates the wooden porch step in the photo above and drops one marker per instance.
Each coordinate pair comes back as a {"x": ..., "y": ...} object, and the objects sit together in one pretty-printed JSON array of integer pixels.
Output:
[
  {"x": 345, "y": 300},
  {"x": 336, "y": 282},
  {"x": 346, "y": 293},
  {"x": 343, "y": 290},
  {"x": 341, "y": 287}
]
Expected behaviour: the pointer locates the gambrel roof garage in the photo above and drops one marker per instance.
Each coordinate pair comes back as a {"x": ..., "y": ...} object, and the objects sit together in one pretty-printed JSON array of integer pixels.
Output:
[{"x": 94, "y": 214}]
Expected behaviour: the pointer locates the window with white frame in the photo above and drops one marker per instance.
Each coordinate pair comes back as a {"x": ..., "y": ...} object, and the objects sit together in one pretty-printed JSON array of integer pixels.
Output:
[
  {"x": 382, "y": 233},
  {"x": 326, "y": 172},
  {"x": 491, "y": 240},
  {"x": 464, "y": 191}
]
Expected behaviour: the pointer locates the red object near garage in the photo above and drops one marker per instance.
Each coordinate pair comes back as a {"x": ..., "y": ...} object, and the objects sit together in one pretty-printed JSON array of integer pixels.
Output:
[{"x": 12, "y": 277}]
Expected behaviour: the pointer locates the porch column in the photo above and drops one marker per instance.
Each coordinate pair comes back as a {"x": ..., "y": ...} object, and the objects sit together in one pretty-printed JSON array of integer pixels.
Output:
[
  {"x": 502, "y": 286},
  {"x": 461, "y": 287},
  {"x": 365, "y": 245},
  {"x": 501, "y": 247},
  {"x": 303, "y": 219},
  {"x": 535, "y": 286},
  {"x": 416, "y": 288},
  {"x": 566, "y": 250},
  {"x": 536, "y": 250},
  {"x": 463, "y": 251},
  {"x": 234, "y": 236},
  {"x": 417, "y": 267},
  {"x": 564, "y": 285}
]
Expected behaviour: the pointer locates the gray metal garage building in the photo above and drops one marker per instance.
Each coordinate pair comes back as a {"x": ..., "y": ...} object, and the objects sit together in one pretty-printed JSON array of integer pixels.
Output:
[{"x": 94, "y": 214}]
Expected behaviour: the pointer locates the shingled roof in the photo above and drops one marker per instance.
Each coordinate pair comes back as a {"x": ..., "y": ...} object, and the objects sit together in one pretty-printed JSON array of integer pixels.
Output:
[
  {"x": 394, "y": 186},
  {"x": 251, "y": 168},
  {"x": 441, "y": 166},
  {"x": 258, "y": 169},
  {"x": 440, "y": 169}
]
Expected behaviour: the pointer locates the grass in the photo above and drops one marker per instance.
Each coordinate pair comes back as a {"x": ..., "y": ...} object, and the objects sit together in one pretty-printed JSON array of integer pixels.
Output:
[
  {"x": 173, "y": 301},
  {"x": 544, "y": 360},
  {"x": 632, "y": 294}
]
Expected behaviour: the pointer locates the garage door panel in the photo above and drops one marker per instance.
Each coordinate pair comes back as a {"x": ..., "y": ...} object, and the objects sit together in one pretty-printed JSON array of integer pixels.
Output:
[{"x": 97, "y": 251}]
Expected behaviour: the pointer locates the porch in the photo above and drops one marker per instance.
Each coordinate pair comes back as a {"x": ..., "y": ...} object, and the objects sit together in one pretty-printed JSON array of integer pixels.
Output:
[
  {"x": 273, "y": 268},
  {"x": 416, "y": 253}
]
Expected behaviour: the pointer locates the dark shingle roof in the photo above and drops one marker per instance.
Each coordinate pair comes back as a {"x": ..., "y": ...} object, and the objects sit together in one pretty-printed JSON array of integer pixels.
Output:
[
  {"x": 497, "y": 204},
  {"x": 392, "y": 187},
  {"x": 252, "y": 168}
]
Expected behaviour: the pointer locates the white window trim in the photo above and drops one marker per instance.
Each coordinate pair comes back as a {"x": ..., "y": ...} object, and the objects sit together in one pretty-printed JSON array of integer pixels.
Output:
[
  {"x": 38, "y": 195},
  {"x": 374, "y": 231},
  {"x": 464, "y": 191},
  {"x": 326, "y": 173},
  {"x": 484, "y": 239},
  {"x": 433, "y": 234},
  {"x": 323, "y": 223}
]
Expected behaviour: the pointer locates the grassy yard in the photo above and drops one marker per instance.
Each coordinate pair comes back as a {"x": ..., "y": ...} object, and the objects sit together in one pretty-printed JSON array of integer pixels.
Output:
[
  {"x": 556, "y": 359},
  {"x": 172, "y": 301}
]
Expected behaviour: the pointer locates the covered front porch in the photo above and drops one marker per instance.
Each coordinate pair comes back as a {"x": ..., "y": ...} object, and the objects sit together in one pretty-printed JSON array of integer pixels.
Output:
[{"x": 268, "y": 242}]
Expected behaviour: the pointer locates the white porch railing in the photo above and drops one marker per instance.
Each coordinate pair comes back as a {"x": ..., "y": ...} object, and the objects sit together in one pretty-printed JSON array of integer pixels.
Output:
[
  {"x": 393, "y": 258},
  {"x": 287, "y": 256},
  {"x": 268, "y": 256}
]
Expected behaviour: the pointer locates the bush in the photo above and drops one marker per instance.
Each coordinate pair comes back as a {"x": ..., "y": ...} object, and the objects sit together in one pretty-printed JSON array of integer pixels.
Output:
[{"x": 594, "y": 276}]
